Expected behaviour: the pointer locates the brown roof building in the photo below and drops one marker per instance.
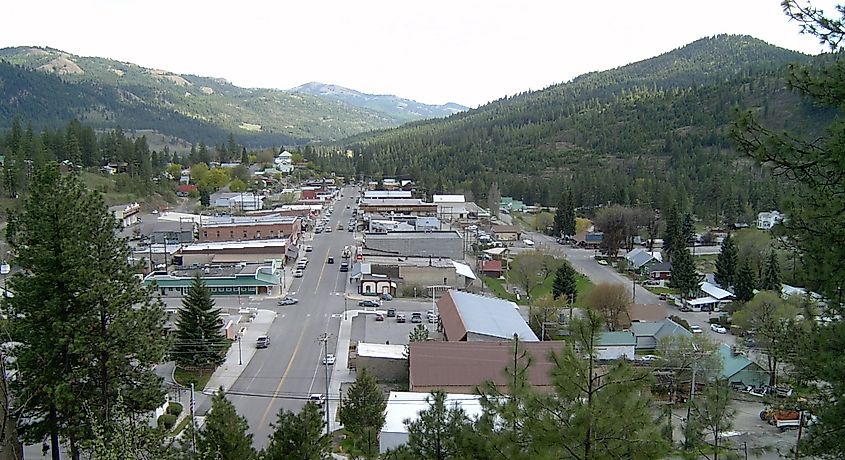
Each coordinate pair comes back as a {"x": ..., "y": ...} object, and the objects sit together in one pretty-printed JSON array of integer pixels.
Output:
[
  {"x": 243, "y": 228},
  {"x": 461, "y": 367}
]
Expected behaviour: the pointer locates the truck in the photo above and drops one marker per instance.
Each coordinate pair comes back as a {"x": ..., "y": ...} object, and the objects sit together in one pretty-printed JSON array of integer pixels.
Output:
[{"x": 783, "y": 419}]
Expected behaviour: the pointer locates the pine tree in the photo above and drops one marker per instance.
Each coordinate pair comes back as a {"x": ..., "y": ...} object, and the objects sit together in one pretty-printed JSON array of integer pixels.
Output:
[
  {"x": 299, "y": 436},
  {"x": 672, "y": 238},
  {"x": 687, "y": 230},
  {"x": 244, "y": 157},
  {"x": 771, "y": 275},
  {"x": 362, "y": 413},
  {"x": 224, "y": 435},
  {"x": 565, "y": 215},
  {"x": 566, "y": 284},
  {"x": 685, "y": 278},
  {"x": 90, "y": 331},
  {"x": 744, "y": 282},
  {"x": 199, "y": 339},
  {"x": 726, "y": 263}
]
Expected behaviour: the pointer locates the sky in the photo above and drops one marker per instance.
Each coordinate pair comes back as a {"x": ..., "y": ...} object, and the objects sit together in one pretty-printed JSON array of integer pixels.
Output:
[{"x": 433, "y": 51}]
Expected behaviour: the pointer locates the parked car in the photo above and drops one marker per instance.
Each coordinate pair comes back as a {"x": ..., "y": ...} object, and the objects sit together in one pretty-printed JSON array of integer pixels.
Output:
[
  {"x": 288, "y": 301},
  {"x": 391, "y": 312},
  {"x": 696, "y": 329},
  {"x": 329, "y": 359},
  {"x": 344, "y": 266},
  {"x": 718, "y": 328},
  {"x": 328, "y": 229},
  {"x": 318, "y": 230},
  {"x": 369, "y": 304},
  {"x": 379, "y": 317},
  {"x": 308, "y": 248},
  {"x": 262, "y": 342},
  {"x": 649, "y": 358},
  {"x": 416, "y": 317},
  {"x": 297, "y": 273},
  {"x": 602, "y": 262},
  {"x": 400, "y": 318},
  {"x": 386, "y": 296}
]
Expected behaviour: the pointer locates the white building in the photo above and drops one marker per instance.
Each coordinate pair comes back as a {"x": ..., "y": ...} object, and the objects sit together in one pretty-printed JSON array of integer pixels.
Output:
[
  {"x": 451, "y": 207},
  {"x": 403, "y": 406},
  {"x": 239, "y": 201},
  {"x": 284, "y": 162},
  {"x": 767, "y": 220}
]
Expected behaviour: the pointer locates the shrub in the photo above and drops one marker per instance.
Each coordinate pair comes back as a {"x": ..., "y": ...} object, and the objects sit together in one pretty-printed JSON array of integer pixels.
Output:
[
  {"x": 174, "y": 408},
  {"x": 680, "y": 321},
  {"x": 167, "y": 421}
]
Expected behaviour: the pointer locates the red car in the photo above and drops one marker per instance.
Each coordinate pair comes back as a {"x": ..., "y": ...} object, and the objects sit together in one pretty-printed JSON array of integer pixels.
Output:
[{"x": 379, "y": 317}]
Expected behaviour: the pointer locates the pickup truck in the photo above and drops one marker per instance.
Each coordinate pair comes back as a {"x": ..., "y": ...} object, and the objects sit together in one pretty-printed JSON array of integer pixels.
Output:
[{"x": 782, "y": 419}]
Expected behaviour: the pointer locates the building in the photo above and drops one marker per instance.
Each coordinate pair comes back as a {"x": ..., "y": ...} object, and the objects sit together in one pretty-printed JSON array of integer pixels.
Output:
[
  {"x": 470, "y": 364},
  {"x": 167, "y": 231},
  {"x": 649, "y": 333},
  {"x": 418, "y": 271},
  {"x": 374, "y": 284},
  {"x": 387, "y": 194},
  {"x": 246, "y": 201},
  {"x": 185, "y": 189},
  {"x": 387, "y": 363},
  {"x": 738, "y": 369},
  {"x": 451, "y": 207},
  {"x": 506, "y": 232},
  {"x": 492, "y": 268},
  {"x": 710, "y": 298},
  {"x": 767, "y": 220},
  {"x": 221, "y": 280},
  {"x": 238, "y": 228},
  {"x": 640, "y": 260},
  {"x": 589, "y": 240},
  {"x": 397, "y": 206},
  {"x": 229, "y": 252},
  {"x": 284, "y": 162},
  {"x": 127, "y": 214},
  {"x": 661, "y": 271},
  {"x": 402, "y": 406},
  {"x": 474, "y": 318},
  {"x": 440, "y": 244},
  {"x": 616, "y": 345},
  {"x": 639, "y": 313}
]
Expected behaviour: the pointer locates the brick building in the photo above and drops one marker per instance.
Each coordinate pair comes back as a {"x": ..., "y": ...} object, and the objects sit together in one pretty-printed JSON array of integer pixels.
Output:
[{"x": 240, "y": 228}]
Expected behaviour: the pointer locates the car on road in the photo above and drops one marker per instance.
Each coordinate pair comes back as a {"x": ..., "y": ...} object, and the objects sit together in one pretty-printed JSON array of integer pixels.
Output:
[
  {"x": 318, "y": 230},
  {"x": 369, "y": 304},
  {"x": 347, "y": 206},
  {"x": 330, "y": 260},
  {"x": 155, "y": 211},
  {"x": 297, "y": 273},
  {"x": 386, "y": 296},
  {"x": 718, "y": 328},
  {"x": 379, "y": 317},
  {"x": 328, "y": 229},
  {"x": 344, "y": 266},
  {"x": 416, "y": 317},
  {"x": 288, "y": 301},
  {"x": 400, "y": 317},
  {"x": 648, "y": 358},
  {"x": 602, "y": 262},
  {"x": 696, "y": 329},
  {"x": 391, "y": 312},
  {"x": 317, "y": 398},
  {"x": 329, "y": 359},
  {"x": 340, "y": 226},
  {"x": 262, "y": 342}
]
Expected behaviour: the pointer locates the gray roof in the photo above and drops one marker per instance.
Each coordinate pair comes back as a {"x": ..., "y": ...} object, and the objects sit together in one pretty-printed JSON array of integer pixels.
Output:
[
  {"x": 638, "y": 257},
  {"x": 658, "y": 329},
  {"x": 492, "y": 317},
  {"x": 662, "y": 267},
  {"x": 611, "y": 339},
  {"x": 414, "y": 234},
  {"x": 229, "y": 221}
]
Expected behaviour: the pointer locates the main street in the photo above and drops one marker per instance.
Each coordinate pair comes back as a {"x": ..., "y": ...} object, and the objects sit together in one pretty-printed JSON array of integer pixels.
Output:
[{"x": 283, "y": 375}]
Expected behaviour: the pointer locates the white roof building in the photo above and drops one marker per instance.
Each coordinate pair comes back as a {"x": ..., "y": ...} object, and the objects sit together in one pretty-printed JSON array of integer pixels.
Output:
[
  {"x": 767, "y": 220},
  {"x": 403, "y": 406}
]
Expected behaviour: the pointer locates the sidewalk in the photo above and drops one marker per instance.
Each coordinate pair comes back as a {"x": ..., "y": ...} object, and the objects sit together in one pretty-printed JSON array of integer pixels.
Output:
[
  {"x": 227, "y": 373},
  {"x": 341, "y": 373}
]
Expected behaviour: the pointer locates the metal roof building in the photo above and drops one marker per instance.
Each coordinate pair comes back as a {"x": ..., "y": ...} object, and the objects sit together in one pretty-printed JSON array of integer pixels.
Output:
[
  {"x": 472, "y": 318},
  {"x": 402, "y": 406}
]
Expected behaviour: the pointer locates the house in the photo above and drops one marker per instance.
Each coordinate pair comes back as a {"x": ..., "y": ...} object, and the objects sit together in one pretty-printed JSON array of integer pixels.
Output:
[
  {"x": 588, "y": 240},
  {"x": 737, "y": 368},
  {"x": 616, "y": 345},
  {"x": 639, "y": 312},
  {"x": 470, "y": 364},
  {"x": 640, "y": 259},
  {"x": 474, "y": 318},
  {"x": 710, "y": 298},
  {"x": 284, "y": 162},
  {"x": 660, "y": 271},
  {"x": 387, "y": 363},
  {"x": 492, "y": 268},
  {"x": 649, "y": 333},
  {"x": 402, "y": 406},
  {"x": 767, "y": 220},
  {"x": 185, "y": 189},
  {"x": 506, "y": 232}
]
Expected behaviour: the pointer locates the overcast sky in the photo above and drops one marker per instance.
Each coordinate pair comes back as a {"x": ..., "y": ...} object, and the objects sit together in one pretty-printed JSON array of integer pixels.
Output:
[{"x": 434, "y": 51}]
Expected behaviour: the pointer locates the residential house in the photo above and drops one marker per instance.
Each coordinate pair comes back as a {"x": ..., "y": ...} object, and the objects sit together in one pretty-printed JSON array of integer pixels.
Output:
[
  {"x": 185, "y": 189},
  {"x": 492, "y": 268},
  {"x": 640, "y": 259},
  {"x": 506, "y": 232},
  {"x": 660, "y": 271},
  {"x": 639, "y": 312},
  {"x": 402, "y": 407},
  {"x": 767, "y": 220},
  {"x": 616, "y": 345},
  {"x": 474, "y": 318},
  {"x": 710, "y": 298},
  {"x": 649, "y": 333},
  {"x": 284, "y": 162},
  {"x": 738, "y": 369}
]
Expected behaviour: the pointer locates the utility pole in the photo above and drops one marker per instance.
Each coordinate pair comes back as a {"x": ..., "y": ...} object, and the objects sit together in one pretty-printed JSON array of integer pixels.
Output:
[
  {"x": 193, "y": 424},
  {"x": 240, "y": 357},
  {"x": 696, "y": 352},
  {"x": 325, "y": 340}
]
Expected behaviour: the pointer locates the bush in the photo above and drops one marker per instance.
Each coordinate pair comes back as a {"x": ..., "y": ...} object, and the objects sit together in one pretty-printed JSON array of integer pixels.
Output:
[
  {"x": 680, "y": 321},
  {"x": 174, "y": 408},
  {"x": 167, "y": 421}
]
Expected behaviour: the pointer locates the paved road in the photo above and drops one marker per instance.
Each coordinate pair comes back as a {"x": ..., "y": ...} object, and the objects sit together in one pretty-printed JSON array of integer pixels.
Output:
[{"x": 284, "y": 374}]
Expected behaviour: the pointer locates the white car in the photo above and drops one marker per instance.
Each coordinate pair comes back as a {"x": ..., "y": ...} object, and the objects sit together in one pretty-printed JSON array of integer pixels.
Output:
[
  {"x": 297, "y": 273},
  {"x": 695, "y": 329},
  {"x": 719, "y": 329},
  {"x": 308, "y": 248},
  {"x": 329, "y": 359},
  {"x": 602, "y": 262},
  {"x": 649, "y": 358}
]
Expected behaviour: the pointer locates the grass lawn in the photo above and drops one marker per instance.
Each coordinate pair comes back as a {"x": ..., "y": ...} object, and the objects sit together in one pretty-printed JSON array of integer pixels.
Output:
[
  {"x": 497, "y": 286},
  {"x": 198, "y": 377},
  {"x": 181, "y": 425},
  {"x": 706, "y": 263},
  {"x": 661, "y": 290}
]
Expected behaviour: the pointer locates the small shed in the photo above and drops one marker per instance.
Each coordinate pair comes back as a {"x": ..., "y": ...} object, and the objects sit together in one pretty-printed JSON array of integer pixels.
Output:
[{"x": 387, "y": 363}]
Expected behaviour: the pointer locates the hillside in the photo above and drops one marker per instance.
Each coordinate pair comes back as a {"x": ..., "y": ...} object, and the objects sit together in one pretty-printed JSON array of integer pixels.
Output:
[
  {"x": 106, "y": 93},
  {"x": 396, "y": 107},
  {"x": 650, "y": 132}
]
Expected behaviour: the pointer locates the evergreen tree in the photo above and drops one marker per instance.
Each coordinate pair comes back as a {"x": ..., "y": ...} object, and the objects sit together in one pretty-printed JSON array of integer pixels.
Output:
[
  {"x": 744, "y": 282},
  {"x": 726, "y": 263},
  {"x": 494, "y": 197},
  {"x": 672, "y": 238},
  {"x": 299, "y": 436},
  {"x": 565, "y": 215},
  {"x": 362, "y": 413},
  {"x": 89, "y": 331},
  {"x": 688, "y": 230},
  {"x": 565, "y": 283},
  {"x": 199, "y": 338},
  {"x": 436, "y": 432},
  {"x": 244, "y": 157},
  {"x": 205, "y": 196},
  {"x": 231, "y": 146},
  {"x": 224, "y": 435},
  {"x": 203, "y": 154},
  {"x": 771, "y": 275},
  {"x": 685, "y": 277}
]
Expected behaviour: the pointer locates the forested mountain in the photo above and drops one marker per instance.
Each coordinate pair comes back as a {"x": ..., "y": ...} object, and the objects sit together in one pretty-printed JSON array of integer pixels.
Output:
[
  {"x": 648, "y": 133},
  {"x": 397, "y": 107},
  {"x": 106, "y": 93}
]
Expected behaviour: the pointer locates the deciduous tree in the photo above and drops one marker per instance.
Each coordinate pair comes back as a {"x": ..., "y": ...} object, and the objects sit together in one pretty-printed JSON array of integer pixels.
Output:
[
  {"x": 712, "y": 413},
  {"x": 775, "y": 327},
  {"x": 611, "y": 302}
]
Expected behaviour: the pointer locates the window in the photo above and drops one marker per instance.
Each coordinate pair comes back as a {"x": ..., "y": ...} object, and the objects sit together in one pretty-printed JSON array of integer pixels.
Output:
[
  {"x": 218, "y": 233},
  {"x": 232, "y": 234},
  {"x": 205, "y": 234}
]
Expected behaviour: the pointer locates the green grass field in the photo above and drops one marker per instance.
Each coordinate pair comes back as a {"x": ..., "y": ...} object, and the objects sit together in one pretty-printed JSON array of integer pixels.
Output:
[{"x": 497, "y": 286}]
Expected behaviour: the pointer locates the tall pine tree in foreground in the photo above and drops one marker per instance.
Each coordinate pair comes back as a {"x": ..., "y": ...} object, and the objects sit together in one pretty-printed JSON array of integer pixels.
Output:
[
  {"x": 89, "y": 331},
  {"x": 199, "y": 338},
  {"x": 224, "y": 435},
  {"x": 362, "y": 413},
  {"x": 299, "y": 436},
  {"x": 685, "y": 278},
  {"x": 726, "y": 263}
]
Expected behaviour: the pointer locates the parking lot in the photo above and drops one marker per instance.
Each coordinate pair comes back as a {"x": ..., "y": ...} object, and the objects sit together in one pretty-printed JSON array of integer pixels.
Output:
[{"x": 365, "y": 328}]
